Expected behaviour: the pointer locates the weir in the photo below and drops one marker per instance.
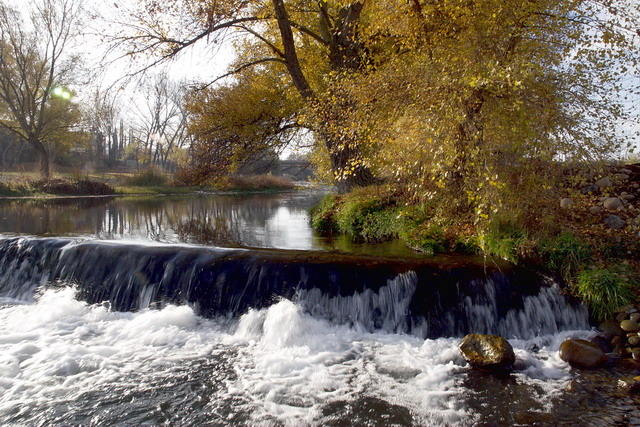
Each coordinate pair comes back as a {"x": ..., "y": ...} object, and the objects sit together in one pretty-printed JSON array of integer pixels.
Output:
[{"x": 432, "y": 297}]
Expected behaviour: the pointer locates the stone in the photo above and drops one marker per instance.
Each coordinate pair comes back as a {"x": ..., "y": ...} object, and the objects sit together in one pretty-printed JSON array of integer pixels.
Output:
[
  {"x": 630, "y": 385},
  {"x": 615, "y": 222},
  {"x": 627, "y": 171},
  {"x": 567, "y": 203},
  {"x": 621, "y": 176},
  {"x": 602, "y": 342},
  {"x": 626, "y": 196},
  {"x": 621, "y": 316},
  {"x": 634, "y": 341},
  {"x": 595, "y": 210},
  {"x": 487, "y": 351},
  {"x": 635, "y": 353},
  {"x": 629, "y": 308},
  {"x": 629, "y": 326},
  {"x": 590, "y": 189},
  {"x": 581, "y": 353},
  {"x": 634, "y": 317},
  {"x": 610, "y": 329},
  {"x": 604, "y": 182},
  {"x": 612, "y": 203}
]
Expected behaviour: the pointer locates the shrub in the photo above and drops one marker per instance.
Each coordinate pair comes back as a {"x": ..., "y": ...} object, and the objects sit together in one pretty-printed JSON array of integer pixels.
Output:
[
  {"x": 604, "y": 290},
  {"x": 149, "y": 177},
  {"x": 73, "y": 188},
  {"x": 426, "y": 238}
]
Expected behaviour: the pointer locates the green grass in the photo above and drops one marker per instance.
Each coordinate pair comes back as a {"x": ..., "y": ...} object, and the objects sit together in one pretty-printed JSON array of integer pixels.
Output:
[
  {"x": 505, "y": 240},
  {"x": 564, "y": 254},
  {"x": 604, "y": 290}
]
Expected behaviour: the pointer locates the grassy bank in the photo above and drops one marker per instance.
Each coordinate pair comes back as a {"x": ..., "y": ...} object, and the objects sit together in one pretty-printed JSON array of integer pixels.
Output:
[
  {"x": 148, "y": 182},
  {"x": 601, "y": 265}
]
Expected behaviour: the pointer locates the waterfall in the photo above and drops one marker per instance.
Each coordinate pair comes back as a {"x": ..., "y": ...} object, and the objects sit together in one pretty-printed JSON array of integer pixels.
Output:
[{"x": 421, "y": 297}]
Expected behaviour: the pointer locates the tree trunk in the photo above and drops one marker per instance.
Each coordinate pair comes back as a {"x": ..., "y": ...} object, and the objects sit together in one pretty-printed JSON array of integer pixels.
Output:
[
  {"x": 342, "y": 56},
  {"x": 43, "y": 159}
]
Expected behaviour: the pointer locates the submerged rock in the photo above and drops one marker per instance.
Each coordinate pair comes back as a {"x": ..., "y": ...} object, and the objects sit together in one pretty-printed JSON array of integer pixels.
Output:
[
  {"x": 581, "y": 353},
  {"x": 487, "y": 351}
]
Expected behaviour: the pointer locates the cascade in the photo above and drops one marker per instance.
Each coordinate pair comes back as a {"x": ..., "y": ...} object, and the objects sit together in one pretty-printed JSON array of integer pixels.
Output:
[{"x": 433, "y": 297}]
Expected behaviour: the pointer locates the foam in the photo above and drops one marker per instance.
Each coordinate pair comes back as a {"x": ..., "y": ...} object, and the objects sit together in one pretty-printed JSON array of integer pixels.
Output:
[{"x": 64, "y": 361}]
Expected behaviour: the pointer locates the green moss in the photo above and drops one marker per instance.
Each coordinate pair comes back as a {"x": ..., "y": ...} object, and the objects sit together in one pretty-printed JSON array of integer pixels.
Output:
[
  {"x": 323, "y": 218},
  {"x": 604, "y": 290},
  {"x": 426, "y": 238}
]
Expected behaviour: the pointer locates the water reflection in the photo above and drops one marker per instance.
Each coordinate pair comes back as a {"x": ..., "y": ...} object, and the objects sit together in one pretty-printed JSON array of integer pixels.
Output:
[{"x": 259, "y": 220}]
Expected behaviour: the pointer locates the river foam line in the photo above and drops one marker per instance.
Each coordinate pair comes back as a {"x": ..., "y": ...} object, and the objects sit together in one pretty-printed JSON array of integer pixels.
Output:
[{"x": 63, "y": 361}]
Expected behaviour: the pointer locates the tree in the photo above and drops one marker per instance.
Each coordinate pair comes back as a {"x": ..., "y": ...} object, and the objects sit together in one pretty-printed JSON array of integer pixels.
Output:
[
  {"x": 34, "y": 103},
  {"x": 271, "y": 25}
]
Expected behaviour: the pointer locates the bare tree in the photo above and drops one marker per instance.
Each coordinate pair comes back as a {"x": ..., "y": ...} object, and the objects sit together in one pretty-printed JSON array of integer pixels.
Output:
[
  {"x": 34, "y": 68},
  {"x": 162, "y": 119}
]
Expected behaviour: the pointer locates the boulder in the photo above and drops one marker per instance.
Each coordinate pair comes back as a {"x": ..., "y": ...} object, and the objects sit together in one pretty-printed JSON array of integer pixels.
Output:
[
  {"x": 567, "y": 203},
  {"x": 622, "y": 176},
  {"x": 604, "y": 182},
  {"x": 581, "y": 353},
  {"x": 613, "y": 203},
  {"x": 634, "y": 317},
  {"x": 487, "y": 351},
  {"x": 615, "y": 222},
  {"x": 629, "y": 326},
  {"x": 626, "y": 196},
  {"x": 634, "y": 341}
]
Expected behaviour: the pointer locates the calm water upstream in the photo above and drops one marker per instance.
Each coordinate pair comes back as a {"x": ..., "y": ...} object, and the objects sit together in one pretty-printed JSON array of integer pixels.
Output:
[{"x": 200, "y": 310}]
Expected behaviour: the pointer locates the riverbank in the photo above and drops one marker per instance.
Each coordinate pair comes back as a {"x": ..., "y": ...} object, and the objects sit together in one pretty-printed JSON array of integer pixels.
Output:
[
  {"x": 143, "y": 184},
  {"x": 585, "y": 231}
]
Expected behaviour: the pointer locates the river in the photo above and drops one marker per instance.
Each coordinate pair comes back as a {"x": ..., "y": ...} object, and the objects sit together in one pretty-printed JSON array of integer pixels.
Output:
[{"x": 223, "y": 309}]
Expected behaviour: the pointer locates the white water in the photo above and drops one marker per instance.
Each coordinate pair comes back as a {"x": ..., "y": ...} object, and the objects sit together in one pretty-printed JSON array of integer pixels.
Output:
[{"x": 63, "y": 361}]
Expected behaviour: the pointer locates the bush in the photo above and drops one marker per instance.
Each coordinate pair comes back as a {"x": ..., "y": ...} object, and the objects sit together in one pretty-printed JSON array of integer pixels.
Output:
[
  {"x": 604, "y": 290},
  {"x": 73, "y": 188},
  {"x": 149, "y": 177},
  {"x": 426, "y": 238}
]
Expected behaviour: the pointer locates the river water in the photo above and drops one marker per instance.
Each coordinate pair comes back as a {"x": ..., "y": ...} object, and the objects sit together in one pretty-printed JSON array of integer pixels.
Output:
[{"x": 307, "y": 354}]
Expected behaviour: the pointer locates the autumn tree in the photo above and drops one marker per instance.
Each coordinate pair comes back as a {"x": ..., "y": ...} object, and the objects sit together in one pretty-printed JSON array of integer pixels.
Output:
[
  {"x": 34, "y": 104},
  {"x": 278, "y": 34}
]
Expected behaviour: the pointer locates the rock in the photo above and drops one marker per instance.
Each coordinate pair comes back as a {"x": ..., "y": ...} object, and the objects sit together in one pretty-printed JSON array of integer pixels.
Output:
[
  {"x": 629, "y": 308},
  {"x": 635, "y": 353},
  {"x": 612, "y": 203},
  {"x": 627, "y": 171},
  {"x": 487, "y": 351},
  {"x": 631, "y": 334},
  {"x": 621, "y": 176},
  {"x": 634, "y": 341},
  {"x": 615, "y": 222},
  {"x": 621, "y": 316},
  {"x": 610, "y": 329},
  {"x": 582, "y": 353},
  {"x": 631, "y": 385},
  {"x": 596, "y": 210},
  {"x": 603, "y": 343},
  {"x": 626, "y": 196},
  {"x": 604, "y": 182},
  {"x": 590, "y": 189},
  {"x": 634, "y": 317},
  {"x": 636, "y": 185},
  {"x": 629, "y": 326},
  {"x": 566, "y": 203}
]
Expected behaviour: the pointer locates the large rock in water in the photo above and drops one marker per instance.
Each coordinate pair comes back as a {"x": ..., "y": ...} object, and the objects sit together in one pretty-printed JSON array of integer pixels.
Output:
[
  {"x": 581, "y": 353},
  {"x": 487, "y": 351}
]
